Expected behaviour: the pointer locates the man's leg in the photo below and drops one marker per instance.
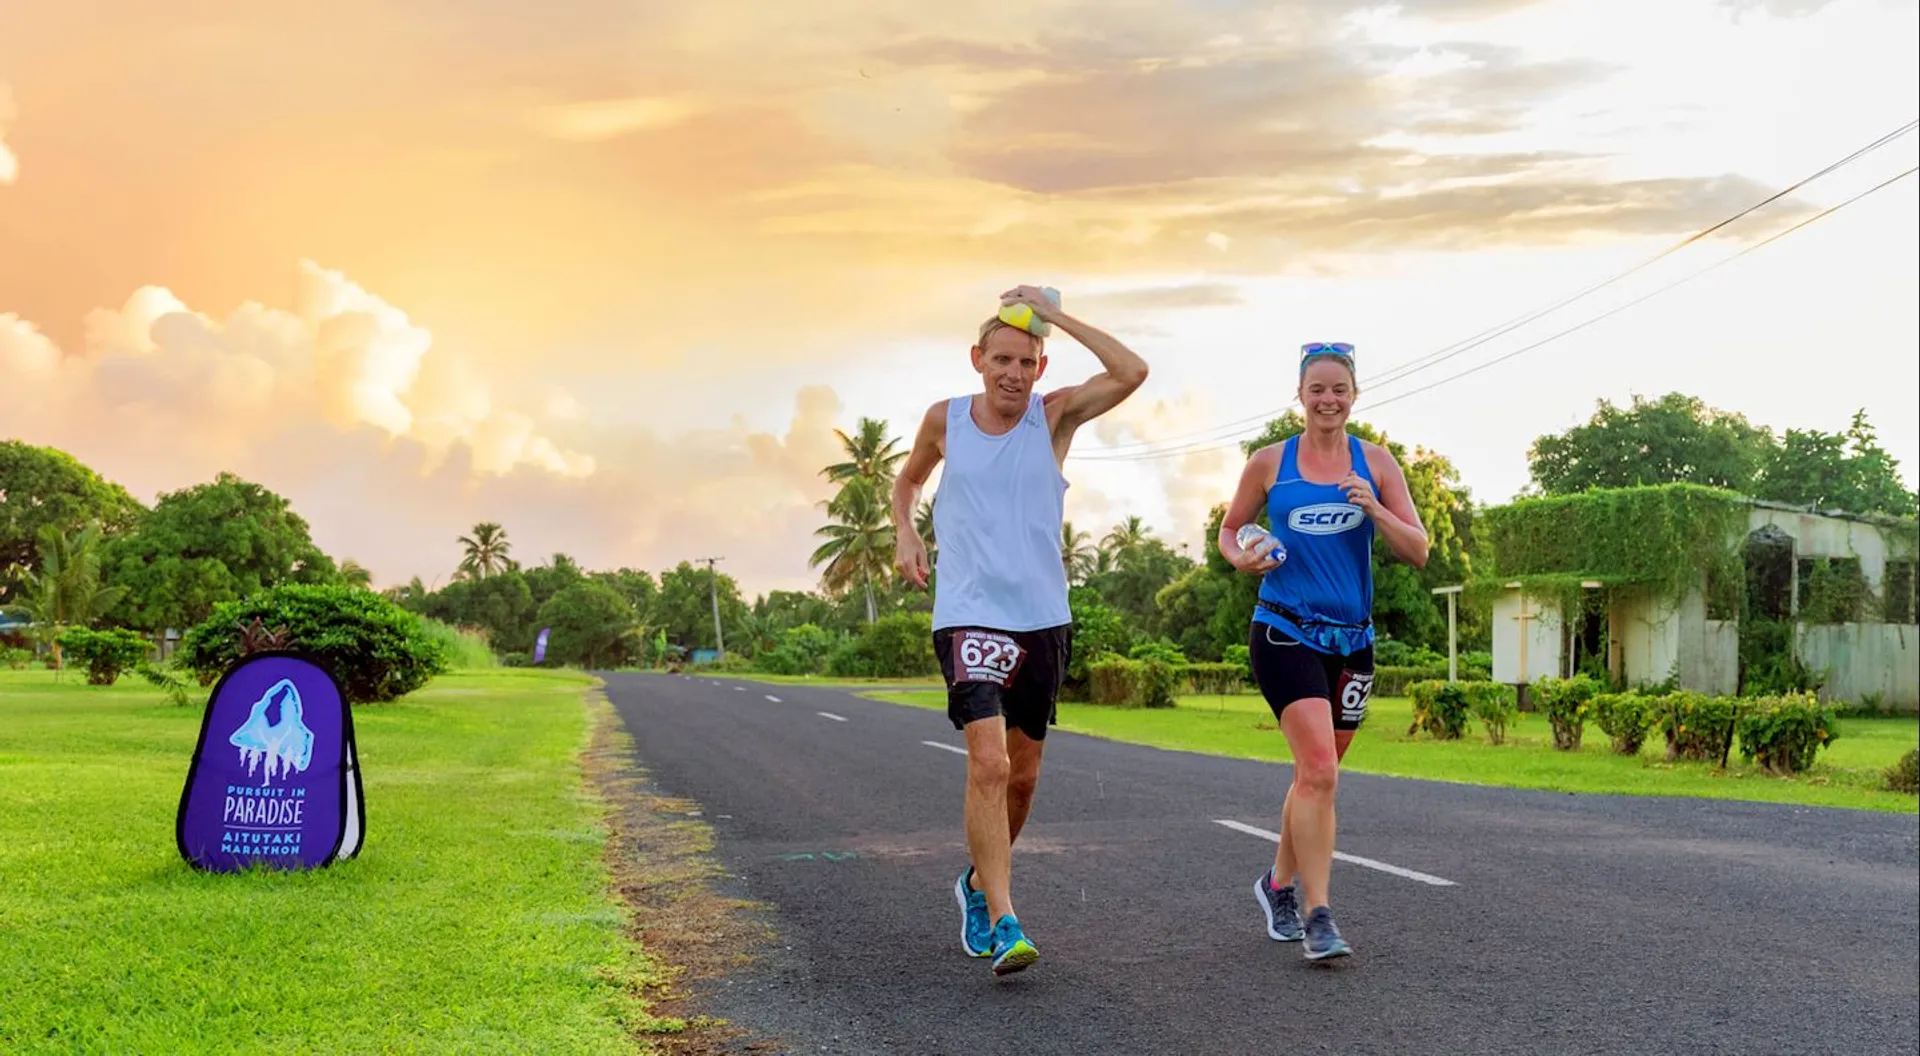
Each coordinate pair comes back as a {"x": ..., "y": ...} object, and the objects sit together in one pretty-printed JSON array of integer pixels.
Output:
[
  {"x": 1023, "y": 757},
  {"x": 1023, "y": 776},
  {"x": 988, "y": 839}
]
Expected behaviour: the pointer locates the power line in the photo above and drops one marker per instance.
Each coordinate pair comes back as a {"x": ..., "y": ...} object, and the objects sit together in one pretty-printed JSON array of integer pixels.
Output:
[
  {"x": 1449, "y": 351},
  {"x": 1225, "y": 442}
]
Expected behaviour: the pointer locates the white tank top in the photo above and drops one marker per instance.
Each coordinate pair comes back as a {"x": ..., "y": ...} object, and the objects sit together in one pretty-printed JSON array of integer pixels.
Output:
[{"x": 997, "y": 521}]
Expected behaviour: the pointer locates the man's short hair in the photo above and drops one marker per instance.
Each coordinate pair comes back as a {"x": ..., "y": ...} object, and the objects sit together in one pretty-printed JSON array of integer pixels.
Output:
[{"x": 996, "y": 323}]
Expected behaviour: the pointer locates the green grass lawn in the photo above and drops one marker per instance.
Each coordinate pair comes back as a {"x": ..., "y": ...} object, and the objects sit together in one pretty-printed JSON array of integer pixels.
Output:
[
  {"x": 1847, "y": 774},
  {"x": 476, "y": 919}
]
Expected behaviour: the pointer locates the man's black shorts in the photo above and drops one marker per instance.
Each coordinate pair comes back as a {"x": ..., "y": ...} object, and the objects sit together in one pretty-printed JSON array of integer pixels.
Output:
[
  {"x": 1287, "y": 670},
  {"x": 976, "y": 661}
]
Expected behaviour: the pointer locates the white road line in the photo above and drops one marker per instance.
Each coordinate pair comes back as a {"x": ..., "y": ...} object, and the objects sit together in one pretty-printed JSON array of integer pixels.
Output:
[
  {"x": 773, "y": 698},
  {"x": 948, "y": 747},
  {"x": 829, "y": 715},
  {"x": 739, "y": 689},
  {"x": 1354, "y": 858}
]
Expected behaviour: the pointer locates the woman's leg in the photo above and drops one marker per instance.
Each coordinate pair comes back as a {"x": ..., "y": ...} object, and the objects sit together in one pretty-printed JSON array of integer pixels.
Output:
[
  {"x": 1308, "y": 817},
  {"x": 1285, "y": 864}
]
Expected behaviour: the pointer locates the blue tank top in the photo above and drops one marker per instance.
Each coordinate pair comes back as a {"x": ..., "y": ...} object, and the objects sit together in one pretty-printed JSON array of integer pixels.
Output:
[{"x": 1326, "y": 581}]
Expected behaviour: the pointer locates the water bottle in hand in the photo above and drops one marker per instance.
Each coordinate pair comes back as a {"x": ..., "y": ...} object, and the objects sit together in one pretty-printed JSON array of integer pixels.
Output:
[{"x": 1260, "y": 542}]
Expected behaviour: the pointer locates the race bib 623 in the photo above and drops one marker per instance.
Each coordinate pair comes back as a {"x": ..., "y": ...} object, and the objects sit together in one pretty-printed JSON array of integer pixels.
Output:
[{"x": 984, "y": 656}]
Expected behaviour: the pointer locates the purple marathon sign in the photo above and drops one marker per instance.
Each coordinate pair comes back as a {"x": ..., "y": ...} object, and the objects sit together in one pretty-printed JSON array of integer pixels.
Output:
[{"x": 273, "y": 778}]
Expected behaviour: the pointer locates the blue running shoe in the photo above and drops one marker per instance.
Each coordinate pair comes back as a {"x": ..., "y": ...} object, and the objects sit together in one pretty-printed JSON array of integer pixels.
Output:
[
  {"x": 1281, "y": 908},
  {"x": 1323, "y": 939},
  {"x": 976, "y": 931},
  {"x": 1011, "y": 950}
]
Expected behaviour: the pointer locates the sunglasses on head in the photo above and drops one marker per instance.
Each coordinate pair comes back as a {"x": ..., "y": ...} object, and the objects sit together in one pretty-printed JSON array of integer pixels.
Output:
[{"x": 1324, "y": 348}]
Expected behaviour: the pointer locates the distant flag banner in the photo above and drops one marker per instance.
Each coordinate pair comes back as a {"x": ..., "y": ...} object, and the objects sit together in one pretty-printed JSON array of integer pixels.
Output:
[
  {"x": 540, "y": 646},
  {"x": 273, "y": 780}
]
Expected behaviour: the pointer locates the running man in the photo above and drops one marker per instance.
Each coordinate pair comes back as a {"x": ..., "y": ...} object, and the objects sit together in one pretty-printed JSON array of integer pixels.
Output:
[
  {"x": 1001, "y": 626},
  {"x": 1326, "y": 493}
]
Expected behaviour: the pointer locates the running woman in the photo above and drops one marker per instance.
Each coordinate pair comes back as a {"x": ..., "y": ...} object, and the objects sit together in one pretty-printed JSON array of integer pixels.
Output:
[
  {"x": 1326, "y": 493},
  {"x": 1001, "y": 626}
]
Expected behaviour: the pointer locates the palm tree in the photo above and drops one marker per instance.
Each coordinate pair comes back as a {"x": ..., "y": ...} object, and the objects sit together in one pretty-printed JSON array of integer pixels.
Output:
[
  {"x": 871, "y": 454},
  {"x": 1076, "y": 552},
  {"x": 66, "y": 591},
  {"x": 859, "y": 543},
  {"x": 356, "y": 574},
  {"x": 487, "y": 549},
  {"x": 1126, "y": 539}
]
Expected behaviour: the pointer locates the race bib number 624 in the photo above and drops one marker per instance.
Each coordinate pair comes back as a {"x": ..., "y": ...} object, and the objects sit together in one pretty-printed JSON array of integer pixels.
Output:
[{"x": 983, "y": 656}]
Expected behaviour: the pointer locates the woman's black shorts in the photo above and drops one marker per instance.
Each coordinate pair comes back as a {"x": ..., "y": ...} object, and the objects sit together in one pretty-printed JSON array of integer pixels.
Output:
[{"x": 1287, "y": 670}]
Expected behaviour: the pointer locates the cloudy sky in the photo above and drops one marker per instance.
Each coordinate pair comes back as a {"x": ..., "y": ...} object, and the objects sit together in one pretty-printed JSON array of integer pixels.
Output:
[{"x": 610, "y": 274}]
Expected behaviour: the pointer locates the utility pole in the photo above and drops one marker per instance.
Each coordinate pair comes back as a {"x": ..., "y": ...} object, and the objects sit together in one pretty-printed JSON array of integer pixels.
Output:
[{"x": 713, "y": 590}]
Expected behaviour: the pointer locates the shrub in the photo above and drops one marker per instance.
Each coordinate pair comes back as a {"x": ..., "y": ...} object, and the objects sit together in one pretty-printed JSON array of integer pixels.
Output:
[
  {"x": 1904, "y": 776},
  {"x": 16, "y": 658},
  {"x": 1161, "y": 682},
  {"x": 1439, "y": 708},
  {"x": 464, "y": 648},
  {"x": 378, "y": 650},
  {"x": 1696, "y": 726},
  {"x": 1116, "y": 681},
  {"x": 106, "y": 654},
  {"x": 803, "y": 650},
  {"x": 897, "y": 645},
  {"x": 1161, "y": 650},
  {"x": 1625, "y": 717},
  {"x": 1239, "y": 656},
  {"x": 1213, "y": 679},
  {"x": 1495, "y": 704},
  {"x": 1567, "y": 703},
  {"x": 1782, "y": 734}
]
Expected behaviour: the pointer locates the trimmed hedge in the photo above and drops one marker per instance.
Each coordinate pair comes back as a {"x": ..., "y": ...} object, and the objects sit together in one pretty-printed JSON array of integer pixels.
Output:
[
  {"x": 1117, "y": 681},
  {"x": 378, "y": 650}
]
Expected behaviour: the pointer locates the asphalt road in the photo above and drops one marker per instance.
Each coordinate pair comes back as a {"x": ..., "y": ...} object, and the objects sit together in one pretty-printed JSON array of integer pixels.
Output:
[{"x": 1565, "y": 924}]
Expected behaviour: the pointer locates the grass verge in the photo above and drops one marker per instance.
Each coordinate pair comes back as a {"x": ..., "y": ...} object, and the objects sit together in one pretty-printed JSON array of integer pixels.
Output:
[
  {"x": 1847, "y": 774},
  {"x": 660, "y": 858},
  {"x": 478, "y": 918}
]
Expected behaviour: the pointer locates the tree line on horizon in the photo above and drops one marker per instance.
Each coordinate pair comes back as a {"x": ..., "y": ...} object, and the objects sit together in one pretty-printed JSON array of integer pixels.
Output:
[{"x": 77, "y": 550}]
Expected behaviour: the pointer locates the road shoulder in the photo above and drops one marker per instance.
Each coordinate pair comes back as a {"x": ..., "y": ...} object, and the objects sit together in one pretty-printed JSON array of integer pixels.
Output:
[{"x": 660, "y": 862}]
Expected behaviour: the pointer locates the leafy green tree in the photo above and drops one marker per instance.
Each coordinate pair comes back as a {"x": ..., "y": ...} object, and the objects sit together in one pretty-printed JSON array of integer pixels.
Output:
[
  {"x": 45, "y": 487},
  {"x": 1674, "y": 439},
  {"x": 684, "y": 608},
  {"x": 1847, "y": 471},
  {"x": 213, "y": 542},
  {"x": 594, "y": 626},
  {"x": 502, "y": 605}
]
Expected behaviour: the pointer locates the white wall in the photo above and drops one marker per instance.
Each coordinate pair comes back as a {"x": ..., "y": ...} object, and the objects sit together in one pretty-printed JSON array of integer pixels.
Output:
[
  {"x": 1864, "y": 658},
  {"x": 1524, "y": 656}
]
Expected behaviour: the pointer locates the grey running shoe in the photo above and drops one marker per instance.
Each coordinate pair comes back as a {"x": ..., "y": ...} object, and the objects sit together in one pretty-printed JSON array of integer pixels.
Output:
[
  {"x": 1281, "y": 908},
  {"x": 1323, "y": 939}
]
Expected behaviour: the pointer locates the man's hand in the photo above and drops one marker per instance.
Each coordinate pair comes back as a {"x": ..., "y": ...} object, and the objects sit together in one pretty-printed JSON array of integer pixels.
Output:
[{"x": 910, "y": 558}]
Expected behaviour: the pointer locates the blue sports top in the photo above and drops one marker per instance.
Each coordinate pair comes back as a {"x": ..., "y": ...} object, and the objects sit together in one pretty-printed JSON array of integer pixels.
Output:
[{"x": 1326, "y": 582}]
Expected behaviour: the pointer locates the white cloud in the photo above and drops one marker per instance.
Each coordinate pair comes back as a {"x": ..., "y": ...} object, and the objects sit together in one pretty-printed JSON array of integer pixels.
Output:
[{"x": 9, "y": 165}]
